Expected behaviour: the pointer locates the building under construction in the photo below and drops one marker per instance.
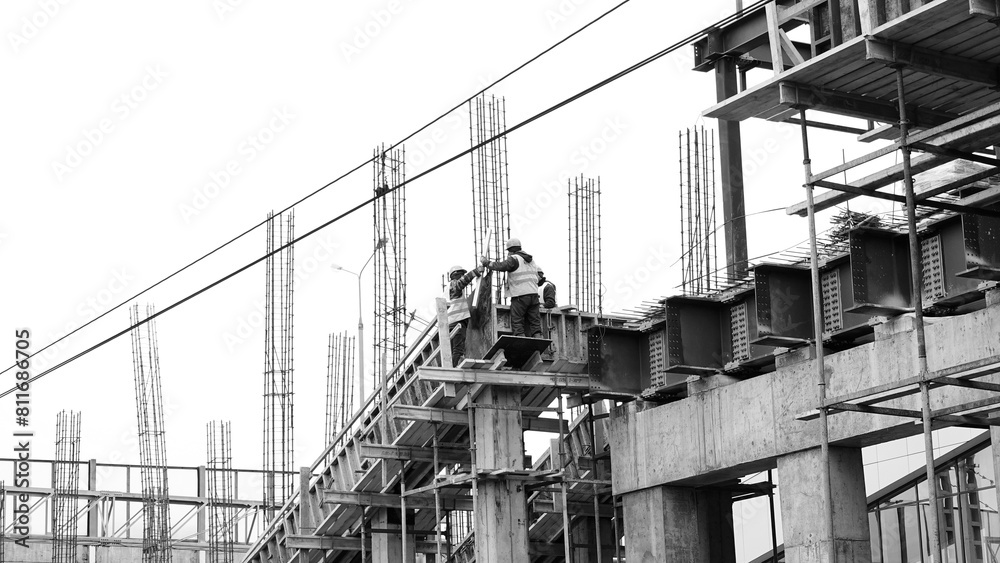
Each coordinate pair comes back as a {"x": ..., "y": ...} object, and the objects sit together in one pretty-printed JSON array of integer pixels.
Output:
[{"x": 757, "y": 381}]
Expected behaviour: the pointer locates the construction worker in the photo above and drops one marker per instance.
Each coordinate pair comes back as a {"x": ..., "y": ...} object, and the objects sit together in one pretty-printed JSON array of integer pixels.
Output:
[
  {"x": 547, "y": 291},
  {"x": 522, "y": 288},
  {"x": 458, "y": 309}
]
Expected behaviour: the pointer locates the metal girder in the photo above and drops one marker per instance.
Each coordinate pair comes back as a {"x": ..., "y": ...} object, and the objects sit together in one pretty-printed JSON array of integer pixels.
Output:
[
  {"x": 796, "y": 96},
  {"x": 928, "y": 61},
  {"x": 747, "y": 34}
]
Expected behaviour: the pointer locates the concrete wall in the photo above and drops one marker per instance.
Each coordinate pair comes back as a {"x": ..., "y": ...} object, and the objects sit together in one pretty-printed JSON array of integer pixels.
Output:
[{"x": 731, "y": 430}]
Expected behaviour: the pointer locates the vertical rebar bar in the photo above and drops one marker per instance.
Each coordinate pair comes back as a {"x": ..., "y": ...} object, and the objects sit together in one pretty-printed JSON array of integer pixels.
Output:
[
  {"x": 152, "y": 446},
  {"x": 279, "y": 444},
  {"x": 65, "y": 488}
]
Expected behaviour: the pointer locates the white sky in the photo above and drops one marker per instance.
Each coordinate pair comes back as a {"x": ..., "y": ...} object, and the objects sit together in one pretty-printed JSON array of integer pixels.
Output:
[{"x": 319, "y": 92}]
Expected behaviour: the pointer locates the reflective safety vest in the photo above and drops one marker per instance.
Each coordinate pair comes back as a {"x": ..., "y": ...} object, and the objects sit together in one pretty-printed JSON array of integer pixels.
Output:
[
  {"x": 523, "y": 280},
  {"x": 458, "y": 310}
]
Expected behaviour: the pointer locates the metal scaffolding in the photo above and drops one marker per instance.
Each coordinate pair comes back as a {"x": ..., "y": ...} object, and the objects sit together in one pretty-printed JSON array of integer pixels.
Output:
[
  {"x": 152, "y": 443},
  {"x": 389, "y": 222},
  {"x": 699, "y": 259},
  {"x": 584, "y": 216},
  {"x": 923, "y": 381},
  {"x": 279, "y": 444},
  {"x": 3, "y": 518},
  {"x": 339, "y": 384},
  {"x": 490, "y": 189},
  {"x": 65, "y": 488},
  {"x": 220, "y": 508}
]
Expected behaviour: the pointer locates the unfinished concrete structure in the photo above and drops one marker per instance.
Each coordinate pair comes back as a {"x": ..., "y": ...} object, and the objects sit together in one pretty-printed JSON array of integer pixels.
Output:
[{"x": 655, "y": 421}]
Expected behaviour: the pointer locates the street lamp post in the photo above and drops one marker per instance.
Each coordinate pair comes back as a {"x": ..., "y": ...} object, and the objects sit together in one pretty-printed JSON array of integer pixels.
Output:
[{"x": 361, "y": 325}]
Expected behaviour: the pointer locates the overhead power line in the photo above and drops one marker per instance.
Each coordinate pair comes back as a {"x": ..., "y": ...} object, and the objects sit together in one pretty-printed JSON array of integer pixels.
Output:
[
  {"x": 328, "y": 184},
  {"x": 642, "y": 63}
]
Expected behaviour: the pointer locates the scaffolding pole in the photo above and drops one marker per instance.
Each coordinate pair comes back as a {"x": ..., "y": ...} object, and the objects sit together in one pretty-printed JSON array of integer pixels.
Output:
[
  {"x": 817, "y": 299},
  {"x": 916, "y": 282}
]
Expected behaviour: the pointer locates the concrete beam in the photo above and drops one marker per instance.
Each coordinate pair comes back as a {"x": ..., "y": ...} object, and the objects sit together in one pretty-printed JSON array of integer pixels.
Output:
[
  {"x": 732, "y": 430},
  {"x": 505, "y": 378},
  {"x": 460, "y": 418},
  {"x": 408, "y": 453}
]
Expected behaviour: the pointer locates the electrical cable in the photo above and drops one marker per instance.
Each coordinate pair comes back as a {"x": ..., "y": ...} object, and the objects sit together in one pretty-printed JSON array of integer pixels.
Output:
[
  {"x": 586, "y": 91},
  {"x": 325, "y": 186}
]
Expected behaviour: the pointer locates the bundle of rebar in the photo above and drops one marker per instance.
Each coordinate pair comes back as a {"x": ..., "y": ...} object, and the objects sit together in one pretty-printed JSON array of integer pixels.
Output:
[
  {"x": 584, "y": 283},
  {"x": 699, "y": 268},
  {"x": 490, "y": 189},
  {"x": 152, "y": 442},
  {"x": 65, "y": 488},
  {"x": 221, "y": 513},
  {"x": 390, "y": 256},
  {"x": 279, "y": 444},
  {"x": 339, "y": 384}
]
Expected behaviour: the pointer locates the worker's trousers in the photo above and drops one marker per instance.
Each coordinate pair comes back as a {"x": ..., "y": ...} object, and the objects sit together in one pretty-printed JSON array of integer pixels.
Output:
[
  {"x": 458, "y": 341},
  {"x": 525, "y": 318}
]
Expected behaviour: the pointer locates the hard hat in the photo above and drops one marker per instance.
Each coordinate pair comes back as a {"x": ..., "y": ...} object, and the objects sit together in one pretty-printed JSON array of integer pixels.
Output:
[
  {"x": 512, "y": 242},
  {"x": 453, "y": 269}
]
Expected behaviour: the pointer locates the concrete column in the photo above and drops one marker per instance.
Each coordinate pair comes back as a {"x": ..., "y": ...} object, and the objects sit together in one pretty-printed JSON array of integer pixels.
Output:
[
  {"x": 501, "y": 506},
  {"x": 803, "y": 508},
  {"x": 387, "y": 547},
  {"x": 679, "y": 525}
]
